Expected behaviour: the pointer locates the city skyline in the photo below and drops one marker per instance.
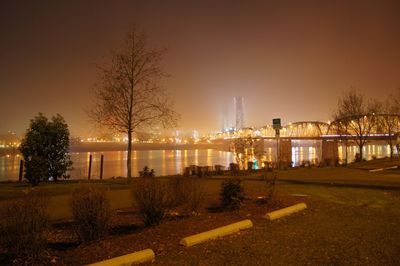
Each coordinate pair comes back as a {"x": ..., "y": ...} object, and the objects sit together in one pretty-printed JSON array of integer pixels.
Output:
[{"x": 278, "y": 57}]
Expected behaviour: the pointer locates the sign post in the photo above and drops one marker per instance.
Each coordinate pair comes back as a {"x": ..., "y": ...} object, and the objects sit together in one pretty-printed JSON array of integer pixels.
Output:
[
  {"x": 276, "y": 124},
  {"x": 398, "y": 145}
]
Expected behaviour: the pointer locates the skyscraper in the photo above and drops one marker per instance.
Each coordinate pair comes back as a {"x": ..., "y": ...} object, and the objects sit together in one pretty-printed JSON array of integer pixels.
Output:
[{"x": 239, "y": 112}]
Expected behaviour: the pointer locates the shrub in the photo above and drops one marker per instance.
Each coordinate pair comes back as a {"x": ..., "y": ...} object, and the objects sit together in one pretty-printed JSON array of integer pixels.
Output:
[
  {"x": 186, "y": 193},
  {"x": 200, "y": 171},
  {"x": 195, "y": 197},
  {"x": 219, "y": 169},
  {"x": 151, "y": 198},
  {"x": 270, "y": 182},
  {"x": 250, "y": 166},
  {"x": 232, "y": 194},
  {"x": 91, "y": 211},
  {"x": 147, "y": 172},
  {"x": 45, "y": 149},
  {"x": 24, "y": 223},
  {"x": 178, "y": 191},
  {"x": 234, "y": 168}
]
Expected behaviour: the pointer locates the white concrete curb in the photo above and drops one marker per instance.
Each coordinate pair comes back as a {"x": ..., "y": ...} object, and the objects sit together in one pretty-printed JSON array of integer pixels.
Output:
[
  {"x": 376, "y": 170},
  {"x": 381, "y": 169},
  {"x": 215, "y": 233},
  {"x": 146, "y": 255},
  {"x": 285, "y": 211}
]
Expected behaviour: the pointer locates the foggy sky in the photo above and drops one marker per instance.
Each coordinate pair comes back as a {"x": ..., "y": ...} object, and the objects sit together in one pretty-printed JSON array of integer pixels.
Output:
[{"x": 288, "y": 59}]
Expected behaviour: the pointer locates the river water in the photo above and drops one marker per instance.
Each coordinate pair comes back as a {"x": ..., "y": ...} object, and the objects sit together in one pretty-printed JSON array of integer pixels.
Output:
[
  {"x": 170, "y": 162},
  {"x": 164, "y": 162}
]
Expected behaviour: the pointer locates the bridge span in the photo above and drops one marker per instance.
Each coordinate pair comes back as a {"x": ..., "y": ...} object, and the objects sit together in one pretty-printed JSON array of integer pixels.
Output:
[{"x": 328, "y": 141}]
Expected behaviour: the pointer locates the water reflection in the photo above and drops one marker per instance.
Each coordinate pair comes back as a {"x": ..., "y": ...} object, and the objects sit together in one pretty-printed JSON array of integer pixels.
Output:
[
  {"x": 306, "y": 151},
  {"x": 164, "y": 162},
  {"x": 169, "y": 162},
  {"x": 310, "y": 151},
  {"x": 378, "y": 149}
]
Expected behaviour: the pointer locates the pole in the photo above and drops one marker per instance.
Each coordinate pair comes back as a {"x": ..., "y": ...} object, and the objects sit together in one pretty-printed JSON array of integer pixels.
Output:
[
  {"x": 21, "y": 170},
  {"x": 101, "y": 166},
  {"x": 90, "y": 166},
  {"x": 278, "y": 159}
]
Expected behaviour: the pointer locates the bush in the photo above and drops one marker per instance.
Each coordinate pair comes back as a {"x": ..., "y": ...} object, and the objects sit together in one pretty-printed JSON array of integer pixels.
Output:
[
  {"x": 186, "y": 193},
  {"x": 232, "y": 194},
  {"x": 151, "y": 198},
  {"x": 250, "y": 166},
  {"x": 195, "y": 197},
  {"x": 147, "y": 172},
  {"x": 219, "y": 169},
  {"x": 234, "y": 167},
  {"x": 91, "y": 211},
  {"x": 45, "y": 149},
  {"x": 24, "y": 223},
  {"x": 178, "y": 188},
  {"x": 270, "y": 182}
]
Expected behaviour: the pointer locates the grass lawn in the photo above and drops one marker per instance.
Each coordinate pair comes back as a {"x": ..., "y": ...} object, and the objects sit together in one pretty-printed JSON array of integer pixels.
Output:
[{"x": 9, "y": 190}]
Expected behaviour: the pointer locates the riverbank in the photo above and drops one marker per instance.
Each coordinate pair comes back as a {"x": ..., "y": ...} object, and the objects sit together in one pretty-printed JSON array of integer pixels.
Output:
[{"x": 352, "y": 176}]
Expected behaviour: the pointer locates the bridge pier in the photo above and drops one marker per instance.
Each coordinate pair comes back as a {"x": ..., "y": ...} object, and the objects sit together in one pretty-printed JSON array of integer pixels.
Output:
[
  {"x": 285, "y": 153},
  {"x": 330, "y": 155}
]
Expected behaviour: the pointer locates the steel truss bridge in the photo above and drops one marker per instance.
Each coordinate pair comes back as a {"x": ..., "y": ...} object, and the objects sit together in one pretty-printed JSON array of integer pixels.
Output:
[{"x": 369, "y": 126}]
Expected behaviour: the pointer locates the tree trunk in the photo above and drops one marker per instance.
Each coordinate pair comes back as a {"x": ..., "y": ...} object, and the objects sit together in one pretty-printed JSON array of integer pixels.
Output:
[
  {"x": 346, "y": 144},
  {"x": 361, "y": 151},
  {"x": 128, "y": 161},
  {"x": 391, "y": 145}
]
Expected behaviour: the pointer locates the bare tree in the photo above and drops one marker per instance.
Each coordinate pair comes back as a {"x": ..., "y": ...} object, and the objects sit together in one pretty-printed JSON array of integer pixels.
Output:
[
  {"x": 356, "y": 114},
  {"x": 389, "y": 123},
  {"x": 341, "y": 127},
  {"x": 127, "y": 95},
  {"x": 390, "y": 118},
  {"x": 245, "y": 149},
  {"x": 396, "y": 109}
]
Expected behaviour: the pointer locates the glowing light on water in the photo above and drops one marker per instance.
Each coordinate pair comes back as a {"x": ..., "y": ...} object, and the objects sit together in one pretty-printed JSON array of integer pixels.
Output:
[
  {"x": 209, "y": 157},
  {"x": 196, "y": 156}
]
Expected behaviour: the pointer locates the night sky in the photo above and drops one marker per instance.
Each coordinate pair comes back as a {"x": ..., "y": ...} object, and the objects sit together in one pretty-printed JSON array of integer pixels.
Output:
[{"x": 288, "y": 59}]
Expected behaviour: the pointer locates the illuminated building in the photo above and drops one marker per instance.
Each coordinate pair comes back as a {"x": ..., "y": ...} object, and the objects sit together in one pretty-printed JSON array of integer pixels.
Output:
[{"x": 239, "y": 112}]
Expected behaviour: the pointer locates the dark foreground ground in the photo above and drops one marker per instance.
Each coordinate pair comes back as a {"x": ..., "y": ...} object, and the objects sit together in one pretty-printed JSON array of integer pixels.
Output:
[
  {"x": 327, "y": 233},
  {"x": 352, "y": 219}
]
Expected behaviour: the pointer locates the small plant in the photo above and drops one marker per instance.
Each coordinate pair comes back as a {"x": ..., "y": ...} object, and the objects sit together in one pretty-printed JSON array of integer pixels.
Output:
[
  {"x": 232, "y": 194},
  {"x": 147, "y": 172},
  {"x": 195, "y": 197},
  {"x": 219, "y": 169},
  {"x": 250, "y": 166},
  {"x": 151, "y": 198},
  {"x": 270, "y": 182},
  {"x": 178, "y": 187},
  {"x": 91, "y": 211},
  {"x": 24, "y": 223},
  {"x": 186, "y": 193},
  {"x": 200, "y": 171},
  {"x": 234, "y": 168}
]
